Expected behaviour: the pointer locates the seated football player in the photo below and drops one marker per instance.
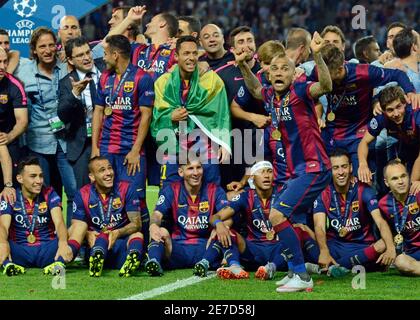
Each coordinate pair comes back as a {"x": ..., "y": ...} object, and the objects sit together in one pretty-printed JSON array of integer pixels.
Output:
[
  {"x": 403, "y": 124},
  {"x": 32, "y": 229},
  {"x": 107, "y": 213},
  {"x": 401, "y": 210},
  {"x": 351, "y": 208},
  {"x": 186, "y": 208},
  {"x": 262, "y": 248}
]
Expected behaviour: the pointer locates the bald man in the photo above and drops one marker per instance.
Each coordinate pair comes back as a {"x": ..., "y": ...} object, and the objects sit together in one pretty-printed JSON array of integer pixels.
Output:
[
  {"x": 298, "y": 45},
  {"x": 69, "y": 29},
  {"x": 212, "y": 41}
]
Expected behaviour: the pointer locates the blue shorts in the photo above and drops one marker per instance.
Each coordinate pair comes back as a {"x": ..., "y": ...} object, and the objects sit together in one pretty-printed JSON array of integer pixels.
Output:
[
  {"x": 34, "y": 256},
  {"x": 298, "y": 195},
  {"x": 259, "y": 254},
  {"x": 120, "y": 171},
  {"x": 340, "y": 249},
  {"x": 186, "y": 255},
  {"x": 414, "y": 254},
  {"x": 169, "y": 173}
]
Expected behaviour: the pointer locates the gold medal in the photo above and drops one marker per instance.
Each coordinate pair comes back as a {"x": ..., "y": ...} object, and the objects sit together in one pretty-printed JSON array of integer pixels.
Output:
[
  {"x": 108, "y": 111},
  {"x": 270, "y": 235},
  {"x": 31, "y": 238},
  {"x": 331, "y": 116},
  {"x": 342, "y": 232},
  {"x": 398, "y": 239},
  {"x": 104, "y": 229},
  {"x": 276, "y": 134}
]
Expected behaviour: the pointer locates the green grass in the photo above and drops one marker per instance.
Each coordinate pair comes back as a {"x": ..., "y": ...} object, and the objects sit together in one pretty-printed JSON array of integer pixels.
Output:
[{"x": 78, "y": 285}]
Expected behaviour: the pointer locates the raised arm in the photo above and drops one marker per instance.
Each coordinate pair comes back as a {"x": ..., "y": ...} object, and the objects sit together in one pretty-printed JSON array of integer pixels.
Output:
[
  {"x": 134, "y": 15},
  {"x": 324, "y": 83},
  {"x": 251, "y": 81}
]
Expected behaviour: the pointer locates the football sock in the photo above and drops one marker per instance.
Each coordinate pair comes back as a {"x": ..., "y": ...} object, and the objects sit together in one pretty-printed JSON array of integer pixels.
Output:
[
  {"x": 101, "y": 244},
  {"x": 359, "y": 257},
  {"x": 156, "y": 250},
  {"x": 213, "y": 252},
  {"x": 231, "y": 255},
  {"x": 135, "y": 245},
  {"x": 75, "y": 247}
]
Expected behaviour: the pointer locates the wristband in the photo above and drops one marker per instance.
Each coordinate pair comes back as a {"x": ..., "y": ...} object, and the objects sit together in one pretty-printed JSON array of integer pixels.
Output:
[{"x": 216, "y": 222}]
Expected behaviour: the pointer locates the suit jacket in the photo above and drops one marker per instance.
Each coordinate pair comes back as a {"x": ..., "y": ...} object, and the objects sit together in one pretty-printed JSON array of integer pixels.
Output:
[{"x": 72, "y": 112}]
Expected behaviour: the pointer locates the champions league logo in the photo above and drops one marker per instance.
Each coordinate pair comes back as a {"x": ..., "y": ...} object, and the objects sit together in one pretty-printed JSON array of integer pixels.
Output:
[{"x": 25, "y": 8}]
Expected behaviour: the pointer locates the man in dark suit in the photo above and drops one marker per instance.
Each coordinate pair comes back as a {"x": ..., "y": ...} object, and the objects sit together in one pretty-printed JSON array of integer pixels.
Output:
[{"x": 77, "y": 92}]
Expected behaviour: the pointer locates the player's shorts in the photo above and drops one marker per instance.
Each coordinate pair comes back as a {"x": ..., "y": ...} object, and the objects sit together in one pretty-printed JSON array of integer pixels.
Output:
[
  {"x": 260, "y": 253},
  {"x": 414, "y": 254},
  {"x": 187, "y": 255},
  {"x": 120, "y": 171},
  {"x": 169, "y": 173},
  {"x": 34, "y": 256},
  {"x": 299, "y": 194}
]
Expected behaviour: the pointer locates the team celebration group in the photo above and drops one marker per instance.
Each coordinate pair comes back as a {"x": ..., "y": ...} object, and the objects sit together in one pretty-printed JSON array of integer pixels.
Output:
[{"x": 333, "y": 182}]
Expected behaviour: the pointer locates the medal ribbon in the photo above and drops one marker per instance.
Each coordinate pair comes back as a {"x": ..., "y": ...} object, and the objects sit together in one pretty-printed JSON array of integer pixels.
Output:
[
  {"x": 31, "y": 223},
  {"x": 343, "y": 219},
  {"x": 113, "y": 96},
  {"x": 399, "y": 225},
  {"x": 333, "y": 108},
  {"x": 107, "y": 218},
  {"x": 257, "y": 203},
  {"x": 275, "y": 118},
  {"x": 152, "y": 60}
]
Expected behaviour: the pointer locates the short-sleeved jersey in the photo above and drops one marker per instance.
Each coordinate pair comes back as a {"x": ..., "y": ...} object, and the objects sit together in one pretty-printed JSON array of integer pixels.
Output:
[
  {"x": 274, "y": 152},
  {"x": 154, "y": 60},
  {"x": 355, "y": 91},
  {"x": 44, "y": 229},
  {"x": 86, "y": 206},
  {"x": 411, "y": 230},
  {"x": 190, "y": 219},
  {"x": 256, "y": 224},
  {"x": 305, "y": 150},
  {"x": 217, "y": 63},
  {"x": 12, "y": 96},
  {"x": 407, "y": 133},
  {"x": 119, "y": 130},
  {"x": 359, "y": 224}
]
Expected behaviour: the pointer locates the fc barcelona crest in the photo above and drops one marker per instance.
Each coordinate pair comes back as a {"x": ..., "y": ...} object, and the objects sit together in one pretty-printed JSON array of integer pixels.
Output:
[
  {"x": 116, "y": 203},
  {"x": 3, "y": 98},
  {"x": 413, "y": 208},
  {"x": 203, "y": 206},
  {"x": 165, "y": 52},
  {"x": 42, "y": 208},
  {"x": 128, "y": 86},
  {"x": 355, "y": 206}
]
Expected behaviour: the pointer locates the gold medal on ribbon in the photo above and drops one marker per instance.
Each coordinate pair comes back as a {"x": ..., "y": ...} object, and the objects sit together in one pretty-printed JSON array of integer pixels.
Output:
[
  {"x": 270, "y": 235},
  {"x": 31, "y": 238},
  {"x": 342, "y": 232},
  {"x": 398, "y": 239},
  {"x": 108, "y": 111},
  {"x": 331, "y": 116},
  {"x": 276, "y": 135},
  {"x": 104, "y": 229}
]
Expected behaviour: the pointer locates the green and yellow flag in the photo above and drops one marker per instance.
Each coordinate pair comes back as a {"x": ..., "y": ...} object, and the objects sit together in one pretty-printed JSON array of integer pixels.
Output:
[{"x": 206, "y": 104}]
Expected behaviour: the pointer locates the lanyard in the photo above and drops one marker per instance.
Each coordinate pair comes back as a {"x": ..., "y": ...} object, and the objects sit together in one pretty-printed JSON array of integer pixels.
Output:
[
  {"x": 275, "y": 117},
  {"x": 152, "y": 60},
  {"x": 399, "y": 225},
  {"x": 113, "y": 96},
  {"x": 31, "y": 223},
  {"x": 257, "y": 203},
  {"x": 346, "y": 208},
  {"x": 107, "y": 218},
  {"x": 332, "y": 107},
  {"x": 54, "y": 84}
]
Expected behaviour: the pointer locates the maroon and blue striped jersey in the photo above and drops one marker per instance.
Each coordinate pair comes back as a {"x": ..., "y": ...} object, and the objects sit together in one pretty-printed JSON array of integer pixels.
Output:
[
  {"x": 411, "y": 228},
  {"x": 304, "y": 148},
  {"x": 44, "y": 229},
  {"x": 190, "y": 218},
  {"x": 119, "y": 130},
  {"x": 360, "y": 201},
  {"x": 87, "y": 205}
]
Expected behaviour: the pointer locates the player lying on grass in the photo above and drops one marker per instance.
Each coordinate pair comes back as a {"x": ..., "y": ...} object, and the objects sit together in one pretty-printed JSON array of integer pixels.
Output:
[
  {"x": 401, "y": 210},
  {"x": 107, "y": 213},
  {"x": 32, "y": 229},
  {"x": 351, "y": 208},
  {"x": 262, "y": 248},
  {"x": 186, "y": 208}
]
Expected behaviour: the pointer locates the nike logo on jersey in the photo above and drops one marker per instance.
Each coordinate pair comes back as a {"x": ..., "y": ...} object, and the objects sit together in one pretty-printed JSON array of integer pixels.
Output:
[
  {"x": 238, "y": 78},
  {"x": 284, "y": 205},
  {"x": 332, "y": 209},
  {"x": 182, "y": 205},
  {"x": 92, "y": 205},
  {"x": 138, "y": 190}
]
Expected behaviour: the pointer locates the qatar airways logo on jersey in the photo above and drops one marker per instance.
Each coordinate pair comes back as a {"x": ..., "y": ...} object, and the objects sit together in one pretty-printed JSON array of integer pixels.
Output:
[
  {"x": 194, "y": 223},
  {"x": 285, "y": 114},
  {"x": 113, "y": 222},
  {"x": 349, "y": 100},
  {"x": 413, "y": 225},
  {"x": 261, "y": 225},
  {"x": 121, "y": 103},
  {"x": 157, "y": 66},
  {"x": 351, "y": 224},
  {"x": 20, "y": 219}
]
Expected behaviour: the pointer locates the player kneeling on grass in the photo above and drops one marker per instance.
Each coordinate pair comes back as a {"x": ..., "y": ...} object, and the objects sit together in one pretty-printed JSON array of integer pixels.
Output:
[
  {"x": 187, "y": 206},
  {"x": 262, "y": 248},
  {"x": 108, "y": 214},
  {"x": 32, "y": 229},
  {"x": 351, "y": 208},
  {"x": 401, "y": 210}
]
